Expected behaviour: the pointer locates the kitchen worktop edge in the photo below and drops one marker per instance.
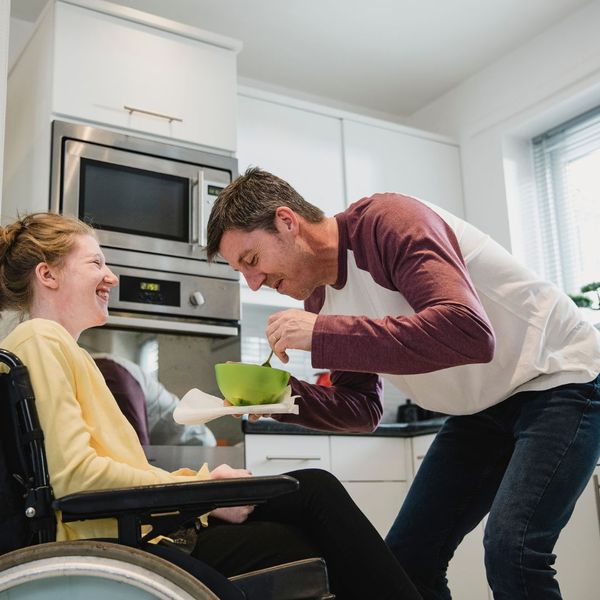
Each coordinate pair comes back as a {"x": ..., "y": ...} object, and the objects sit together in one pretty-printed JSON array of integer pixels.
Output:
[{"x": 271, "y": 426}]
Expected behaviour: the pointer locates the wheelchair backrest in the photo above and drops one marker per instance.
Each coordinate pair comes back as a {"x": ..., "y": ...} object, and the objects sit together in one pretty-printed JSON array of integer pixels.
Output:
[{"x": 26, "y": 515}]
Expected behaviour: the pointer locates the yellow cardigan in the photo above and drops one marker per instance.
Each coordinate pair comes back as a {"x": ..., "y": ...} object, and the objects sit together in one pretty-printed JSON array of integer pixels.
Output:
[{"x": 90, "y": 445}]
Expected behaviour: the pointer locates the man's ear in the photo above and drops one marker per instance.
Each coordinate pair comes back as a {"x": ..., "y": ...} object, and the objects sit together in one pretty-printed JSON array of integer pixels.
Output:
[
  {"x": 46, "y": 276},
  {"x": 286, "y": 220}
]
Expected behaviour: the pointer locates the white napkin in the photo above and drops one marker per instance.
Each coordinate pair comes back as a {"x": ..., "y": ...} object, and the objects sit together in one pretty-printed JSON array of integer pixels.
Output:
[{"x": 198, "y": 407}]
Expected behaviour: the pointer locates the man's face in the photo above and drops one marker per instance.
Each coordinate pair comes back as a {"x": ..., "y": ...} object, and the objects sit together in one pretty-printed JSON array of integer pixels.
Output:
[{"x": 276, "y": 260}]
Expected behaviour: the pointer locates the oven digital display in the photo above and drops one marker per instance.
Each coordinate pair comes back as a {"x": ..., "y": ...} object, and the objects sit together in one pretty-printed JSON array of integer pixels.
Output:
[
  {"x": 151, "y": 286},
  {"x": 149, "y": 291}
]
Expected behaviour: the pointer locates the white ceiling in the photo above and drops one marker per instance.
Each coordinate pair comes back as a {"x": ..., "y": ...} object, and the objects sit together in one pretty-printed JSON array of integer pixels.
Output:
[{"x": 387, "y": 56}]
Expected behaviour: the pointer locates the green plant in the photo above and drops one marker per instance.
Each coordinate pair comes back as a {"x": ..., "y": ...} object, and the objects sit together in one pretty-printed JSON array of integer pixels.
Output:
[
  {"x": 585, "y": 301},
  {"x": 582, "y": 301}
]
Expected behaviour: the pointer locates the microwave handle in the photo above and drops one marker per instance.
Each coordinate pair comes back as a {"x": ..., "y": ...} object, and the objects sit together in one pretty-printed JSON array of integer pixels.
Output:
[
  {"x": 198, "y": 233},
  {"x": 202, "y": 216},
  {"x": 195, "y": 189}
]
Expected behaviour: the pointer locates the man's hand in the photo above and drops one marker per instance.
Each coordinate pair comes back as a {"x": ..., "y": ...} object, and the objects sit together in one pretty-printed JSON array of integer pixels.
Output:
[
  {"x": 290, "y": 329},
  {"x": 232, "y": 514}
]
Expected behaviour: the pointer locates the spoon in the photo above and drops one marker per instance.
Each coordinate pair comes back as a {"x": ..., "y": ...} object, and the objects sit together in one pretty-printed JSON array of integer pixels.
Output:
[{"x": 267, "y": 362}]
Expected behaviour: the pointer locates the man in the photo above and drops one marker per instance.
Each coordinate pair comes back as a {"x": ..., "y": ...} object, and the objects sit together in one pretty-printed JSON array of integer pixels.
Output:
[{"x": 399, "y": 287}]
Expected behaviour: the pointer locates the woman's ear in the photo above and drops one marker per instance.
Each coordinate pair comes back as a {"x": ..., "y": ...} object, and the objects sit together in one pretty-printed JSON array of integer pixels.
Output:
[{"x": 46, "y": 275}]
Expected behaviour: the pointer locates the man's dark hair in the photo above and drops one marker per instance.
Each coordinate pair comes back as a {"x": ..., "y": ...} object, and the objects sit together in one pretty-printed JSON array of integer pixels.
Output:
[{"x": 250, "y": 201}]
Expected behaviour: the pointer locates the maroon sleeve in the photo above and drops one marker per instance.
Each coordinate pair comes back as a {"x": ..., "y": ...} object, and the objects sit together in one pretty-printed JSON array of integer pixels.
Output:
[
  {"x": 352, "y": 403},
  {"x": 407, "y": 247}
]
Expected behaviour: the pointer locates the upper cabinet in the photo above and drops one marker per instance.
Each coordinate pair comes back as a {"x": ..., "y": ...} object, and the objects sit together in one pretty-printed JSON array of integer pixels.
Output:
[
  {"x": 381, "y": 159},
  {"x": 333, "y": 158},
  {"x": 300, "y": 146},
  {"x": 111, "y": 70},
  {"x": 94, "y": 62}
]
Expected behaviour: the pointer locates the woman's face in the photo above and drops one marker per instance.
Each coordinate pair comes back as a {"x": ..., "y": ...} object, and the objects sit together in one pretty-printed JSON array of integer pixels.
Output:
[{"x": 84, "y": 283}]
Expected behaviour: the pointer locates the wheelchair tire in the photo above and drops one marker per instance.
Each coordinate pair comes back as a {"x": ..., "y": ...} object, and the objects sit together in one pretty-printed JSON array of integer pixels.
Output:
[{"x": 94, "y": 570}]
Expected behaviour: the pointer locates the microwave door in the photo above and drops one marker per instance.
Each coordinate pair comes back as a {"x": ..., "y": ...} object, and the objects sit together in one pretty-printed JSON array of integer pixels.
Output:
[{"x": 137, "y": 202}]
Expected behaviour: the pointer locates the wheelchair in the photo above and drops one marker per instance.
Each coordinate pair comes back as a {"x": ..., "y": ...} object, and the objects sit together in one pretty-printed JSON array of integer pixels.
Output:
[{"x": 34, "y": 566}]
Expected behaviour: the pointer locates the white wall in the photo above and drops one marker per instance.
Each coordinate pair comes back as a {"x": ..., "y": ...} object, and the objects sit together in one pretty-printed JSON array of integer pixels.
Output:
[
  {"x": 494, "y": 113},
  {"x": 4, "y": 26}
]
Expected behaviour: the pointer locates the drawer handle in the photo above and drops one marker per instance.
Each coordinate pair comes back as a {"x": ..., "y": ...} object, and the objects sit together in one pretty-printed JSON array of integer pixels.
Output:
[
  {"x": 293, "y": 458},
  {"x": 420, "y": 457},
  {"x": 132, "y": 109}
]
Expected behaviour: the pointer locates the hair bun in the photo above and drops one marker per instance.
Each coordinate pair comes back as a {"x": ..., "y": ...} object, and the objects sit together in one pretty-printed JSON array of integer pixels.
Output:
[{"x": 8, "y": 236}]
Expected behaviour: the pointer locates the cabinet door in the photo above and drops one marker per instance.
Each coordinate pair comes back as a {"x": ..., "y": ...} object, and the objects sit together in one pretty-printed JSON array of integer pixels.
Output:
[
  {"x": 466, "y": 572},
  {"x": 103, "y": 63},
  {"x": 387, "y": 160},
  {"x": 364, "y": 458},
  {"x": 302, "y": 147},
  {"x": 380, "y": 501},
  {"x": 420, "y": 444},
  {"x": 276, "y": 454},
  {"x": 578, "y": 547}
]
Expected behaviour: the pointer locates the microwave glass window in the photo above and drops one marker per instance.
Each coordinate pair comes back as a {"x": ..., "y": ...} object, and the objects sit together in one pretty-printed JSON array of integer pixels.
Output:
[{"x": 129, "y": 200}]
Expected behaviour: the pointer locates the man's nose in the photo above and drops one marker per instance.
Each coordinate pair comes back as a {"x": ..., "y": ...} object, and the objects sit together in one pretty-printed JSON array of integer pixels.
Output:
[{"x": 254, "y": 280}]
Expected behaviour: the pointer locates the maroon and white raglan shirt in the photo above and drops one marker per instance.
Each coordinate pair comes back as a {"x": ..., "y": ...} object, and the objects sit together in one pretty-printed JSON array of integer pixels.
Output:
[{"x": 442, "y": 311}]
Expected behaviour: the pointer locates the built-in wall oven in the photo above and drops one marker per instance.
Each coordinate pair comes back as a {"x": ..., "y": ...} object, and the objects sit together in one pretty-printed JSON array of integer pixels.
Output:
[{"x": 173, "y": 314}]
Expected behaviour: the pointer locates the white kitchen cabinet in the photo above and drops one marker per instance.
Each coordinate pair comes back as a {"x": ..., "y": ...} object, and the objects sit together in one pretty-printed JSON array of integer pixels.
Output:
[
  {"x": 419, "y": 446},
  {"x": 300, "y": 146},
  {"x": 578, "y": 547},
  {"x": 377, "y": 472},
  {"x": 275, "y": 454},
  {"x": 382, "y": 159},
  {"x": 466, "y": 572},
  {"x": 378, "y": 500},
  {"x": 88, "y": 59},
  {"x": 367, "y": 458},
  {"x": 104, "y": 63}
]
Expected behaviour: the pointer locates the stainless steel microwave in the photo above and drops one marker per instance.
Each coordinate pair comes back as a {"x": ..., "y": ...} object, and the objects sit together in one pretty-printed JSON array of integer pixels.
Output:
[{"x": 139, "y": 194}]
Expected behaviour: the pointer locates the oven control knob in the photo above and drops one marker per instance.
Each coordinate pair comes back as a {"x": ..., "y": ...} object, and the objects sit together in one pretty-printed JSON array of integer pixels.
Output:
[{"x": 197, "y": 299}]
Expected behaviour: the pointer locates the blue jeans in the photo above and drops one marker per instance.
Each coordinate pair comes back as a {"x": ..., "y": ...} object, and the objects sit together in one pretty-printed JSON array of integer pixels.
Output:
[{"x": 526, "y": 461}]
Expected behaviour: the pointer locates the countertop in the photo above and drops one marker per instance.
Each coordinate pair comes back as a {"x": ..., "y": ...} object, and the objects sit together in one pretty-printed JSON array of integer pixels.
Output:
[{"x": 271, "y": 426}]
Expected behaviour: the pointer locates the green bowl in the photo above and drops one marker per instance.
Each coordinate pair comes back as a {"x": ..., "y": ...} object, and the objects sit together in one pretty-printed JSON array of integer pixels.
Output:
[{"x": 245, "y": 384}]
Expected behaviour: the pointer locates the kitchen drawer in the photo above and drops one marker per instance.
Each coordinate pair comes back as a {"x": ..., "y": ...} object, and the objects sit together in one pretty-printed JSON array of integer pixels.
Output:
[
  {"x": 379, "y": 500},
  {"x": 364, "y": 458},
  {"x": 274, "y": 454}
]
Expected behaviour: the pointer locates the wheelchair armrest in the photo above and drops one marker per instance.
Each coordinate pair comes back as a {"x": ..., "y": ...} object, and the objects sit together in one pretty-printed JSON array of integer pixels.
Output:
[{"x": 198, "y": 497}]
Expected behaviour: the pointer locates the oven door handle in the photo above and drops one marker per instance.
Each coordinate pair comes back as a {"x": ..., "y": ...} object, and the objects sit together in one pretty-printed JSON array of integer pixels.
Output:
[{"x": 171, "y": 326}]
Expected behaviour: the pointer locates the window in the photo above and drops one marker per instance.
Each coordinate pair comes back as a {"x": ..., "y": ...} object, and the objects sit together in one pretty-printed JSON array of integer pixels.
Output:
[{"x": 567, "y": 176}]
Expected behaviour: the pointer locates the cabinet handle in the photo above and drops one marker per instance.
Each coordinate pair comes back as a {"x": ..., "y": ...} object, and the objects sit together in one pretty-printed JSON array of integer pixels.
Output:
[
  {"x": 132, "y": 109},
  {"x": 420, "y": 457},
  {"x": 293, "y": 458}
]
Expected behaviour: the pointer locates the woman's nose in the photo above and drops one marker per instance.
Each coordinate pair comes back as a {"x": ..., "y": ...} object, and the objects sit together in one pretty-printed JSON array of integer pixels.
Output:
[{"x": 111, "y": 278}]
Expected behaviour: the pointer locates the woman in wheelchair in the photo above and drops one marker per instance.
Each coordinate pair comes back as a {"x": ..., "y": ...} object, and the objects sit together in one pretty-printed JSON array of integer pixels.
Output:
[{"x": 53, "y": 270}]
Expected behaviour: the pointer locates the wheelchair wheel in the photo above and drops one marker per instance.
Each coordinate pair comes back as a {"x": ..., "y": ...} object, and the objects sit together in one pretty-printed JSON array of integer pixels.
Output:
[{"x": 90, "y": 570}]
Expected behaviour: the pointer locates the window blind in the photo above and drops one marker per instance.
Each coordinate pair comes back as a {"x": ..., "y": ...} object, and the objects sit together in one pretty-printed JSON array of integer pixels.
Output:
[{"x": 567, "y": 176}]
